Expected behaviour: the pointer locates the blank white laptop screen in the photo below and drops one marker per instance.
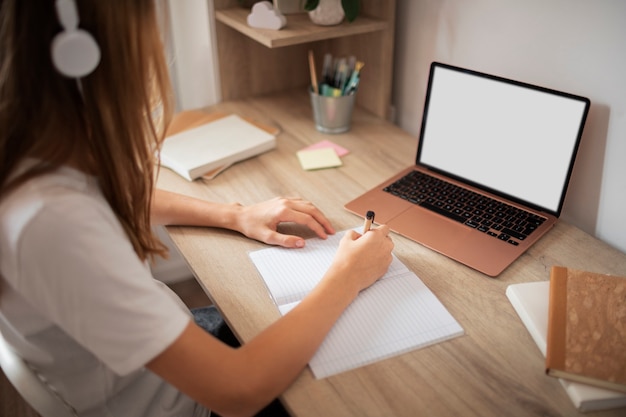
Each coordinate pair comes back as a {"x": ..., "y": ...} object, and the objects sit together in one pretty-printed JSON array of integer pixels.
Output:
[{"x": 501, "y": 135}]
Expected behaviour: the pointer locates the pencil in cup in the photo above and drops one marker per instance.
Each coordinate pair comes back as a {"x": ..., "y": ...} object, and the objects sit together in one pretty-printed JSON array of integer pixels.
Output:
[{"x": 314, "y": 85}]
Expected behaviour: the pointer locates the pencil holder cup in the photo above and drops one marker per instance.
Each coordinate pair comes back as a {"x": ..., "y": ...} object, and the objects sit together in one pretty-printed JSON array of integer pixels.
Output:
[{"x": 332, "y": 114}]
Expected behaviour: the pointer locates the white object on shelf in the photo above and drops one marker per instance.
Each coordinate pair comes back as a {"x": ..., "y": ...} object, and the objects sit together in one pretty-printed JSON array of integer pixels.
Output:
[{"x": 264, "y": 16}]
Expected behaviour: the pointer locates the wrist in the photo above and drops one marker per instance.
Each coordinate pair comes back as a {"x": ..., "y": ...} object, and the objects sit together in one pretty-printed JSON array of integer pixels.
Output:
[
  {"x": 340, "y": 279},
  {"x": 231, "y": 216}
]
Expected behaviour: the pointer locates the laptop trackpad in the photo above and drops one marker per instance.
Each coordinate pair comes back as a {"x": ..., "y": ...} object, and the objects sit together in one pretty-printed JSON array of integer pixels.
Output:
[
  {"x": 430, "y": 229},
  {"x": 455, "y": 240}
]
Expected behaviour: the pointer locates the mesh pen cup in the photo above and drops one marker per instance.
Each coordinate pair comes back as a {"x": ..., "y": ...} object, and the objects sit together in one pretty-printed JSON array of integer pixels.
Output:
[{"x": 332, "y": 114}]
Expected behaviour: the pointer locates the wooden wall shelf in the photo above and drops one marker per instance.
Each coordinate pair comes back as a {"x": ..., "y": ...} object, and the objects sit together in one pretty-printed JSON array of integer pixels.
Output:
[
  {"x": 299, "y": 28},
  {"x": 255, "y": 62}
]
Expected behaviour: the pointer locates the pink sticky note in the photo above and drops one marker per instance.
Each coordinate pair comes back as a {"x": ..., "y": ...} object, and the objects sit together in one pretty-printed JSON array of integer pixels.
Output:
[{"x": 340, "y": 150}]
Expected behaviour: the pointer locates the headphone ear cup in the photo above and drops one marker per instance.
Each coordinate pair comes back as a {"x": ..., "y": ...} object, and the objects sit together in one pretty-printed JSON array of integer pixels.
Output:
[{"x": 75, "y": 53}]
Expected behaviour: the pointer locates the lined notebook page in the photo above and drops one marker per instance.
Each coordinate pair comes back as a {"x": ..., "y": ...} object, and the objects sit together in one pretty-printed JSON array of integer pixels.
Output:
[{"x": 395, "y": 315}]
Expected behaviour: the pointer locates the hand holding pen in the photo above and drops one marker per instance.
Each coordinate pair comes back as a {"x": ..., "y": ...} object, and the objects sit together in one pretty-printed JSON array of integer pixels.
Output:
[{"x": 367, "y": 255}]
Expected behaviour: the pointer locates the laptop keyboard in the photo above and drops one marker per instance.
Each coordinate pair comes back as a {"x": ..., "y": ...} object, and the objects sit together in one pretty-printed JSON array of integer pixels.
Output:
[{"x": 495, "y": 218}]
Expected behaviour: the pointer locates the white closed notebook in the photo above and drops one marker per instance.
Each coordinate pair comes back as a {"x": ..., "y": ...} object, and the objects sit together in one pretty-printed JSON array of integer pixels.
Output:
[
  {"x": 214, "y": 146},
  {"x": 395, "y": 315}
]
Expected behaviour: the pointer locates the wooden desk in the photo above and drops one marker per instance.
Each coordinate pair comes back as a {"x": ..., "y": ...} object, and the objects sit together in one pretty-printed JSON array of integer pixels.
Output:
[{"x": 495, "y": 369}]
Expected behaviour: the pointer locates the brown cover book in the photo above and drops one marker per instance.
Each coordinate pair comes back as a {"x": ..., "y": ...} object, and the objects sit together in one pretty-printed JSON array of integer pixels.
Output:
[{"x": 587, "y": 328}]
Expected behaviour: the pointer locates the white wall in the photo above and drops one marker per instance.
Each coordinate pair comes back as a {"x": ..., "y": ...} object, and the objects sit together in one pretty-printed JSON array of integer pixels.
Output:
[
  {"x": 194, "y": 53},
  {"x": 578, "y": 46}
]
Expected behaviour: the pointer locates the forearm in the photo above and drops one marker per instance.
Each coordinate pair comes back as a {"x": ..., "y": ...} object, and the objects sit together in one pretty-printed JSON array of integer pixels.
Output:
[
  {"x": 236, "y": 382},
  {"x": 257, "y": 221},
  {"x": 281, "y": 351},
  {"x": 289, "y": 344},
  {"x": 176, "y": 209}
]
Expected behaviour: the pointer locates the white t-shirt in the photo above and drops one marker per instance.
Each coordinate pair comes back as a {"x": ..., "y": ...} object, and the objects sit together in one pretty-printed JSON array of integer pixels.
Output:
[{"x": 80, "y": 306}]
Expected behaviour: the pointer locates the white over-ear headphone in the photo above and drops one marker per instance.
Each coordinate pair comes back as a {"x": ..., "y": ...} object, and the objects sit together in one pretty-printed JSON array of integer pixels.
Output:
[{"x": 75, "y": 52}]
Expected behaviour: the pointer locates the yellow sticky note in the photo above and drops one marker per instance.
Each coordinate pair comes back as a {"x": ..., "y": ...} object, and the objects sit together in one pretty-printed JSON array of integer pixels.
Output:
[{"x": 318, "y": 158}]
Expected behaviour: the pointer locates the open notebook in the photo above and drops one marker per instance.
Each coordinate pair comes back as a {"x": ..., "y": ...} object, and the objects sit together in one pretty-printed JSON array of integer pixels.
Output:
[{"x": 395, "y": 315}]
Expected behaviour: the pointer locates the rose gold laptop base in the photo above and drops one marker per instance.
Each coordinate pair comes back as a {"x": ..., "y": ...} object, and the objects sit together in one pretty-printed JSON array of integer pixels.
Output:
[{"x": 464, "y": 244}]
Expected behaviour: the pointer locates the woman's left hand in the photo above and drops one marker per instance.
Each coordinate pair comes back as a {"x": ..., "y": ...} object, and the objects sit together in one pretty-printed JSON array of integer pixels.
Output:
[{"x": 260, "y": 221}]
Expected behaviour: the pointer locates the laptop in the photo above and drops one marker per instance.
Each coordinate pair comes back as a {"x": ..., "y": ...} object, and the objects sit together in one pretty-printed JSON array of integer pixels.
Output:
[{"x": 494, "y": 160}]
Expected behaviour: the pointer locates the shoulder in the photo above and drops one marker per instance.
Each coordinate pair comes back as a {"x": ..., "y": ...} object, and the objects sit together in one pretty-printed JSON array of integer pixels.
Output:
[
  {"x": 56, "y": 202},
  {"x": 54, "y": 219}
]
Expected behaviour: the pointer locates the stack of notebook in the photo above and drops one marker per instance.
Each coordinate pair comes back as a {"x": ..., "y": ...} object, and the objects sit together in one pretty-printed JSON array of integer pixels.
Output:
[{"x": 539, "y": 306}]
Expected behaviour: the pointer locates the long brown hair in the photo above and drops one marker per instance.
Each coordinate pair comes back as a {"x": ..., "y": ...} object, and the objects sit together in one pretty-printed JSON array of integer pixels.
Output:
[{"x": 109, "y": 130}]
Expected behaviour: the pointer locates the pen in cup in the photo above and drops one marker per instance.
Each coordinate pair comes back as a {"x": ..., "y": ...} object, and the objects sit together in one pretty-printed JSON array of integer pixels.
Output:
[
  {"x": 369, "y": 219},
  {"x": 353, "y": 82},
  {"x": 327, "y": 77}
]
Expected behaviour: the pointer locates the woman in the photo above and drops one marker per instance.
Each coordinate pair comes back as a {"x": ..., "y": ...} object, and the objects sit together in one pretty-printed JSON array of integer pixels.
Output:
[{"x": 77, "y": 203}]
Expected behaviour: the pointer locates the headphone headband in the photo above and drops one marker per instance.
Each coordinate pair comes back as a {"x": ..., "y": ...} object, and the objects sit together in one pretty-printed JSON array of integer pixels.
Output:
[{"x": 75, "y": 53}]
